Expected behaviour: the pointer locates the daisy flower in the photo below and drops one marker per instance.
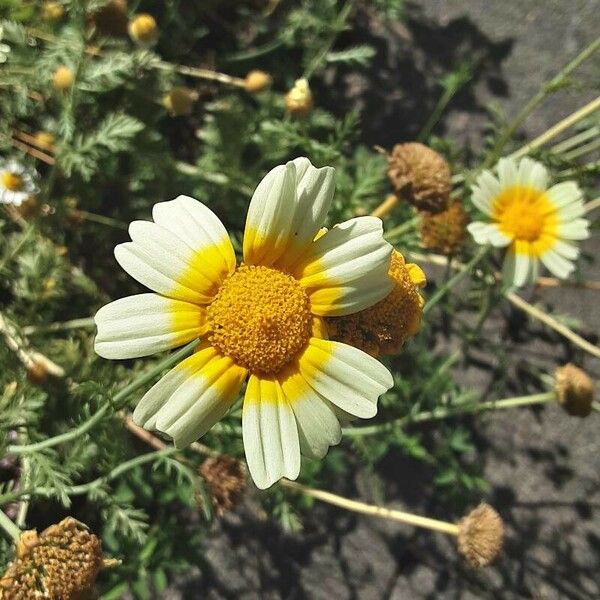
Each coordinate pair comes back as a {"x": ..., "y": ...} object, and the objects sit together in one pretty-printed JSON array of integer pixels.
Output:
[
  {"x": 536, "y": 222},
  {"x": 260, "y": 321},
  {"x": 16, "y": 182}
]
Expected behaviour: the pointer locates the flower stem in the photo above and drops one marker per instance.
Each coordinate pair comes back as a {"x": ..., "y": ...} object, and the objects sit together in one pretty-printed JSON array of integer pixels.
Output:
[
  {"x": 101, "y": 219},
  {"x": 99, "y": 414},
  {"x": 443, "y": 101},
  {"x": 373, "y": 510},
  {"x": 9, "y": 527},
  {"x": 533, "y": 103},
  {"x": 443, "y": 412},
  {"x": 397, "y": 231},
  {"x": 575, "y": 140},
  {"x": 456, "y": 279},
  {"x": 83, "y": 323}
]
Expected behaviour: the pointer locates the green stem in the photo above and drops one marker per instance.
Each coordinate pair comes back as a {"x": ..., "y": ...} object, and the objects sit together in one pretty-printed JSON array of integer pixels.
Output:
[
  {"x": 83, "y": 323},
  {"x": 9, "y": 527},
  {"x": 575, "y": 140},
  {"x": 454, "y": 281},
  {"x": 439, "y": 108},
  {"x": 549, "y": 87},
  {"x": 24, "y": 239},
  {"x": 582, "y": 150},
  {"x": 102, "y": 219},
  {"x": 444, "y": 412},
  {"x": 402, "y": 228},
  {"x": 99, "y": 414}
]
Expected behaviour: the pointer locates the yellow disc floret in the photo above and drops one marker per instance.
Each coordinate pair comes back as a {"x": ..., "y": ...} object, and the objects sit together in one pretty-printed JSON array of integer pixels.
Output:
[
  {"x": 143, "y": 29},
  {"x": 260, "y": 318},
  {"x": 13, "y": 182},
  {"x": 386, "y": 326},
  {"x": 525, "y": 213}
]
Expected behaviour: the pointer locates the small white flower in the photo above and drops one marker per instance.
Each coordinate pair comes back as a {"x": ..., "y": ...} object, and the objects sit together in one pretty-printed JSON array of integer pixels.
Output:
[
  {"x": 536, "y": 222},
  {"x": 16, "y": 182},
  {"x": 262, "y": 320}
]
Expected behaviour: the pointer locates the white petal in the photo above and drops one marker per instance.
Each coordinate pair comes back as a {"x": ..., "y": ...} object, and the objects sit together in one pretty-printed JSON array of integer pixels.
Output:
[
  {"x": 556, "y": 264},
  {"x": 487, "y": 233},
  {"x": 523, "y": 268},
  {"x": 346, "y": 269},
  {"x": 192, "y": 397},
  {"x": 566, "y": 250},
  {"x": 163, "y": 262},
  {"x": 270, "y": 216},
  {"x": 578, "y": 229},
  {"x": 533, "y": 174},
  {"x": 507, "y": 172},
  {"x": 144, "y": 324},
  {"x": 346, "y": 376},
  {"x": 196, "y": 225},
  {"x": 270, "y": 433},
  {"x": 565, "y": 193},
  {"x": 508, "y": 269},
  {"x": 485, "y": 191},
  {"x": 318, "y": 426}
]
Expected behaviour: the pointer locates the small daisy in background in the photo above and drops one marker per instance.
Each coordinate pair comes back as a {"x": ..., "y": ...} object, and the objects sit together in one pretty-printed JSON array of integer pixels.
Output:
[
  {"x": 17, "y": 183},
  {"x": 262, "y": 320},
  {"x": 536, "y": 222}
]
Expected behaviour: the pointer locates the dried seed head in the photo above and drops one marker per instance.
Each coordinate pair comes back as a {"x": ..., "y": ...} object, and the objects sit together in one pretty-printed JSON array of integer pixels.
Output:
[
  {"x": 143, "y": 30},
  {"x": 62, "y": 563},
  {"x": 445, "y": 231},
  {"x": 480, "y": 536},
  {"x": 112, "y": 19},
  {"x": 575, "y": 390},
  {"x": 386, "y": 326},
  {"x": 420, "y": 175},
  {"x": 299, "y": 100},
  {"x": 257, "y": 81},
  {"x": 226, "y": 482},
  {"x": 180, "y": 101},
  {"x": 63, "y": 78},
  {"x": 52, "y": 12}
]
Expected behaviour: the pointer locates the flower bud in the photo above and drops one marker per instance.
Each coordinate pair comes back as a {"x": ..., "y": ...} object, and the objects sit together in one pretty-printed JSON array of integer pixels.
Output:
[
  {"x": 257, "y": 81},
  {"x": 180, "y": 101},
  {"x": 52, "y": 12},
  {"x": 143, "y": 30},
  {"x": 299, "y": 100},
  {"x": 575, "y": 390},
  {"x": 63, "y": 78}
]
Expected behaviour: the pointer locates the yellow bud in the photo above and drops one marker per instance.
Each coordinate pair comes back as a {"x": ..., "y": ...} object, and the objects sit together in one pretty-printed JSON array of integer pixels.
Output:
[
  {"x": 180, "y": 100},
  {"x": 63, "y": 78},
  {"x": 299, "y": 100},
  {"x": 257, "y": 81},
  {"x": 44, "y": 139},
  {"x": 52, "y": 12},
  {"x": 143, "y": 30}
]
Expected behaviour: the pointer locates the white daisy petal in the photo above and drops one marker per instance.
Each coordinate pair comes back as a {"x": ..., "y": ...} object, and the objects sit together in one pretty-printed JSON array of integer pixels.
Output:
[
  {"x": 565, "y": 193},
  {"x": 508, "y": 174},
  {"x": 197, "y": 226},
  {"x": 318, "y": 425},
  {"x": 144, "y": 324},
  {"x": 346, "y": 376},
  {"x": 557, "y": 264},
  {"x": 164, "y": 263},
  {"x": 485, "y": 191},
  {"x": 345, "y": 270},
  {"x": 578, "y": 229},
  {"x": 270, "y": 433},
  {"x": 566, "y": 250},
  {"x": 532, "y": 174},
  {"x": 487, "y": 233}
]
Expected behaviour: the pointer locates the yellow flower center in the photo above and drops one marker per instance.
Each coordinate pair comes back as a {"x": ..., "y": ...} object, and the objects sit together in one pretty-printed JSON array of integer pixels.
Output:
[
  {"x": 524, "y": 213},
  {"x": 12, "y": 181},
  {"x": 144, "y": 28},
  {"x": 260, "y": 318}
]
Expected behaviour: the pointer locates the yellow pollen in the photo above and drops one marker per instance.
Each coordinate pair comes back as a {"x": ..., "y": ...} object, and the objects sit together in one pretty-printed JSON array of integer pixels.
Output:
[
  {"x": 12, "y": 181},
  {"x": 524, "y": 213},
  {"x": 260, "y": 318}
]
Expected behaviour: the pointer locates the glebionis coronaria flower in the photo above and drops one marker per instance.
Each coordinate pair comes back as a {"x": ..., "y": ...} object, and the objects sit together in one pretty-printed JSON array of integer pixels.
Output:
[{"x": 261, "y": 320}]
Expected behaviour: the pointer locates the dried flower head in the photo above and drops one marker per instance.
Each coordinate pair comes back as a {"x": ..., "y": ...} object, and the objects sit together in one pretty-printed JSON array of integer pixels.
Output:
[
  {"x": 299, "y": 100},
  {"x": 180, "y": 101},
  {"x": 575, "y": 390},
  {"x": 257, "y": 81},
  {"x": 52, "y": 12},
  {"x": 445, "y": 231},
  {"x": 480, "y": 536},
  {"x": 62, "y": 563},
  {"x": 225, "y": 479},
  {"x": 420, "y": 175},
  {"x": 112, "y": 19},
  {"x": 62, "y": 78},
  {"x": 143, "y": 30},
  {"x": 386, "y": 326}
]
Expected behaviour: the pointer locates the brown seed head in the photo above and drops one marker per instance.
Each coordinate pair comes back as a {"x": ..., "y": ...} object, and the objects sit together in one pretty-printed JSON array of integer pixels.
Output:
[
  {"x": 226, "y": 482},
  {"x": 52, "y": 12},
  {"x": 480, "y": 536},
  {"x": 386, "y": 326},
  {"x": 420, "y": 175},
  {"x": 445, "y": 231},
  {"x": 257, "y": 81},
  {"x": 63, "y": 78},
  {"x": 143, "y": 30},
  {"x": 180, "y": 101},
  {"x": 112, "y": 19},
  {"x": 61, "y": 563},
  {"x": 299, "y": 100},
  {"x": 575, "y": 390}
]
